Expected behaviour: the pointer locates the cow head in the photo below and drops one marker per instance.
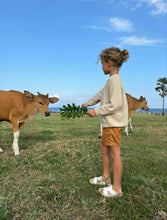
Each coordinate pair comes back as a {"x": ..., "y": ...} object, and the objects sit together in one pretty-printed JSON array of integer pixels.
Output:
[
  {"x": 144, "y": 103},
  {"x": 41, "y": 102}
]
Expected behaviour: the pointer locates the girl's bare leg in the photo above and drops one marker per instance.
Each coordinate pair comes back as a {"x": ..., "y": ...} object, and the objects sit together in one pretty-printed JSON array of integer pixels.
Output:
[
  {"x": 106, "y": 157},
  {"x": 117, "y": 169}
]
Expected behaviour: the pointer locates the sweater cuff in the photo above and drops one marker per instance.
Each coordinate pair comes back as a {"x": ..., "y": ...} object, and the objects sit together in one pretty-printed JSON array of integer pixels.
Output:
[{"x": 97, "y": 111}]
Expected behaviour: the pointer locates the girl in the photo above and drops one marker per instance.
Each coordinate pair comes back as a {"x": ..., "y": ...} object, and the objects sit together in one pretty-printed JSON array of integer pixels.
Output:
[{"x": 113, "y": 113}]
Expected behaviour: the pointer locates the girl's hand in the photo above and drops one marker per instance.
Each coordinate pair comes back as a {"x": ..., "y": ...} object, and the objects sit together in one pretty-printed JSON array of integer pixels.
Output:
[
  {"x": 91, "y": 113},
  {"x": 83, "y": 106}
]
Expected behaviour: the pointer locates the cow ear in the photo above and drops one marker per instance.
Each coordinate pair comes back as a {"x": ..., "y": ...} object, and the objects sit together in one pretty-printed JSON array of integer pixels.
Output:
[
  {"x": 29, "y": 95},
  {"x": 53, "y": 99},
  {"x": 141, "y": 98}
]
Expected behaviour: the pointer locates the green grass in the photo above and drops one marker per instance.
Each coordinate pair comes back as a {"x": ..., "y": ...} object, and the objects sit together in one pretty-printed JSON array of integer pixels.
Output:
[{"x": 50, "y": 179}]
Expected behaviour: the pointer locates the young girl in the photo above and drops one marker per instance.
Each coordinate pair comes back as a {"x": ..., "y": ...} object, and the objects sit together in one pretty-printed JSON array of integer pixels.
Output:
[{"x": 113, "y": 113}]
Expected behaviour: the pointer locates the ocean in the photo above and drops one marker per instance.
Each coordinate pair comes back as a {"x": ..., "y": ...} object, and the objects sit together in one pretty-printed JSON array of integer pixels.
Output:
[{"x": 152, "y": 110}]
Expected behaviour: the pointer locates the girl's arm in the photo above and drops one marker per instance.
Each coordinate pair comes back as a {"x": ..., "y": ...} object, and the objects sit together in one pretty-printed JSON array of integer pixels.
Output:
[
  {"x": 93, "y": 101},
  {"x": 115, "y": 99}
]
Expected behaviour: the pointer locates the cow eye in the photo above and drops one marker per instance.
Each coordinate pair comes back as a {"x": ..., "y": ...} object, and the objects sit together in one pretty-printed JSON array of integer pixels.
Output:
[{"x": 40, "y": 103}]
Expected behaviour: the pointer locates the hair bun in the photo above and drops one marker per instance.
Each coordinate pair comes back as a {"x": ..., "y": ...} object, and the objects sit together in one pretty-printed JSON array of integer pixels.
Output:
[{"x": 125, "y": 55}]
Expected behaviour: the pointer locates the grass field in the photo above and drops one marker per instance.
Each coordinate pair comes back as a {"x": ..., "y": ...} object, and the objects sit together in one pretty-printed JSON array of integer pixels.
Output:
[{"x": 50, "y": 179}]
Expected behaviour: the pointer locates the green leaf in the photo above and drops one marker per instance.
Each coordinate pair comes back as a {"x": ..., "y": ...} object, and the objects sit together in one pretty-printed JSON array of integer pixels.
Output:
[{"x": 72, "y": 111}]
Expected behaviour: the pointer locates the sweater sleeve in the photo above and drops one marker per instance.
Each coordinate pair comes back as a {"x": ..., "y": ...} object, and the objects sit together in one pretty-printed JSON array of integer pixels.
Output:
[
  {"x": 114, "y": 99},
  {"x": 94, "y": 100}
]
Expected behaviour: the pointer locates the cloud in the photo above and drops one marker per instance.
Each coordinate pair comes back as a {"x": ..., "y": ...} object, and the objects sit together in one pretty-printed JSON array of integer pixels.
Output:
[
  {"x": 64, "y": 100},
  {"x": 159, "y": 6},
  {"x": 73, "y": 99},
  {"x": 135, "y": 41},
  {"x": 121, "y": 24},
  {"x": 116, "y": 24},
  {"x": 94, "y": 27}
]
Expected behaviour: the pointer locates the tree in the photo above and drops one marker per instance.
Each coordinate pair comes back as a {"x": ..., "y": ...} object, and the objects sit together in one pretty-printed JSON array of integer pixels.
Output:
[{"x": 162, "y": 89}]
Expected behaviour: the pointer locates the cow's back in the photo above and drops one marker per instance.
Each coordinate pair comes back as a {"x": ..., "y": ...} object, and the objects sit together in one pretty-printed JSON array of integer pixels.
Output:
[
  {"x": 133, "y": 104},
  {"x": 10, "y": 102},
  {"x": 129, "y": 100}
]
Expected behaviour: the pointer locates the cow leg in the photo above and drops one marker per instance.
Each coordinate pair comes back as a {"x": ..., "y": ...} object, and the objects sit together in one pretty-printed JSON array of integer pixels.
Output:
[
  {"x": 1, "y": 150},
  {"x": 100, "y": 133},
  {"x": 21, "y": 124},
  {"x": 15, "y": 145},
  {"x": 126, "y": 129},
  {"x": 130, "y": 124}
]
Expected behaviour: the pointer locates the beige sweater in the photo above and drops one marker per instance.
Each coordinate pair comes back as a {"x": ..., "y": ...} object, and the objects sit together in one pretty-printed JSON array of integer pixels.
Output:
[{"x": 113, "y": 108}]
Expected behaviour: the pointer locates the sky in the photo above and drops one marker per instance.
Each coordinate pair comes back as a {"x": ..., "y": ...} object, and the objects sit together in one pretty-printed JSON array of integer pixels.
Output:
[{"x": 52, "y": 46}]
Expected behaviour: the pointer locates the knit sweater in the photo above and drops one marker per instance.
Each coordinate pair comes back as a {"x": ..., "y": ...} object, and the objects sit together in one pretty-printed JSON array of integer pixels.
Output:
[{"x": 113, "y": 108}]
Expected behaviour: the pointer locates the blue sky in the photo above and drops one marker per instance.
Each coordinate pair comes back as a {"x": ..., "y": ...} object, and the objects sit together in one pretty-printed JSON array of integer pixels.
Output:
[{"x": 52, "y": 46}]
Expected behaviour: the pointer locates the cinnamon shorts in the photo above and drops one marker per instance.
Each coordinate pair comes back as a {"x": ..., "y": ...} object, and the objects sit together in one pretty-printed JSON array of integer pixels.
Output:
[{"x": 112, "y": 136}]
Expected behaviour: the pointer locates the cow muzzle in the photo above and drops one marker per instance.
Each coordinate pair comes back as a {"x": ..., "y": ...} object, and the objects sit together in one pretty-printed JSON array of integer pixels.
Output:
[{"x": 47, "y": 113}]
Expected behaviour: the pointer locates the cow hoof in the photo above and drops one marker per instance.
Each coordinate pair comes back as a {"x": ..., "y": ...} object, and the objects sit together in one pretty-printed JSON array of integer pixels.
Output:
[
  {"x": 99, "y": 136},
  {"x": 17, "y": 155}
]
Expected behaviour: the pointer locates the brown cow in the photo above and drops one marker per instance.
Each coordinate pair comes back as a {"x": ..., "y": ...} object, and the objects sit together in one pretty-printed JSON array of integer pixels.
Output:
[
  {"x": 18, "y": 108},
  {"x": 133, "y": 106}
]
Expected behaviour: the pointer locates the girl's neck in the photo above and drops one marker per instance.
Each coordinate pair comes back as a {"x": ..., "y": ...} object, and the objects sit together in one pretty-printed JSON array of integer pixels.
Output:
[{"x": 114, "y": 70}]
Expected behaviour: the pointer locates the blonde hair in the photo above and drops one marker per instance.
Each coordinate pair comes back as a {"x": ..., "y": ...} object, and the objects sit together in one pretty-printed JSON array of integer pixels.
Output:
[{"x": 115, "y": 55}]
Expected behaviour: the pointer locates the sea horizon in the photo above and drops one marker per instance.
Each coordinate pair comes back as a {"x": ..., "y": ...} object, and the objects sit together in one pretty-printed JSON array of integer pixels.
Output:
[{"x": 151, "y": 110}]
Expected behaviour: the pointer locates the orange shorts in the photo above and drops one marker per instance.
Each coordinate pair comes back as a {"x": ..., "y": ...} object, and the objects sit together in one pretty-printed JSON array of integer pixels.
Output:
[{"x": 112, "y": 136}]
